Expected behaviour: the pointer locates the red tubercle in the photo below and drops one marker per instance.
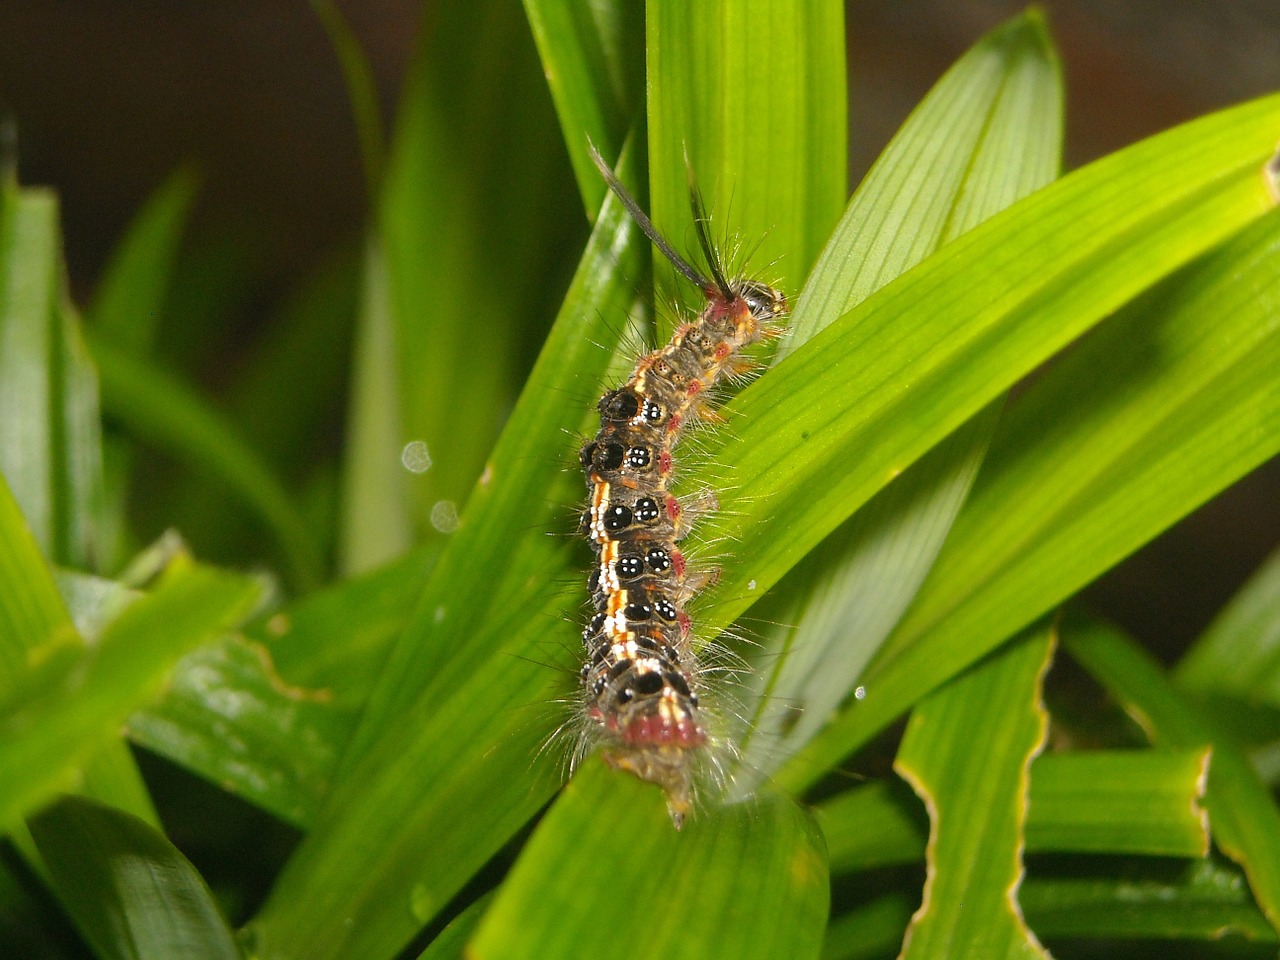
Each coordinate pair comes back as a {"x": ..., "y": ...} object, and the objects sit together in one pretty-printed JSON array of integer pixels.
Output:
[
  {"x": 649, "y": 730},
  {"x": 673, "y": 508},
  {"x": 694, "y": 388},
  {"x": 677, "y": 562},
  {"x": 664, "y": 462},
  {"x": 673, "y": 423},
  {"x": 686, "y": 625}
]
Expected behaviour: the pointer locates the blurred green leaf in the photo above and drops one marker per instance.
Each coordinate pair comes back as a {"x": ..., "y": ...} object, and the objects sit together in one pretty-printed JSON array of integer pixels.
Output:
[
  {"x": 1242, "y": 813},
  {"x": 870, "y": 931},
  {"x": 72, "y": 702},
  {"x": 161, "y": 409},
  {"x": 132, "y": 895},
  {"x": 476, "y": 250},
  {"x": 1163, "y": 406},
  {"x": 361, "y": 89},
  {"x": 266, "y": 715},
  {"x": 977, "y": 802},
  {"x": 730, "y": 858},
  {"x": 1239, "y": 654},
  {"x": 51, "y": 451},
  {"x": 51, "y": 446},
  {"x": 30, "y": 261},
  {"x": 989, "y": 133},
  {"x": 452, "y": 942},
  {"x": 1124, "y": 801},
  {"x": 129, "y": 302},
  {"x": 1202, "y": 900},
  {"x": 31, "y": 614},
  {"x": 593, "y": 58}
]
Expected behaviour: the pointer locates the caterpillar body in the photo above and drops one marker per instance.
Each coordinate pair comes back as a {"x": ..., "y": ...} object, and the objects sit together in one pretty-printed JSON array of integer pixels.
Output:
[{"x": 641, "y": 678}]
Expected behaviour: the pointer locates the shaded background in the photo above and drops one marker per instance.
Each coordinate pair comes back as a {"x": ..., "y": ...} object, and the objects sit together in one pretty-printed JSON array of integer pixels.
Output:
[{"x": 110, "y": 98}]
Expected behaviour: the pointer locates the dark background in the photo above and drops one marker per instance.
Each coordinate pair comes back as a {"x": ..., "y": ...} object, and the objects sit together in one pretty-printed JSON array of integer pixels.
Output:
[{"x": 111, "y": 97}]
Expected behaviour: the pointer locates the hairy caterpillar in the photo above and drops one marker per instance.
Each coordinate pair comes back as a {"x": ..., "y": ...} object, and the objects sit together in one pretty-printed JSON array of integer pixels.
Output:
[{"x": 641, "y": 678}]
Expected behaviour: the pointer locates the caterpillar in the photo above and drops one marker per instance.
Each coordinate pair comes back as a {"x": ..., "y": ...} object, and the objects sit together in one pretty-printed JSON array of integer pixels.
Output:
[{"x": 641, "y": 677}]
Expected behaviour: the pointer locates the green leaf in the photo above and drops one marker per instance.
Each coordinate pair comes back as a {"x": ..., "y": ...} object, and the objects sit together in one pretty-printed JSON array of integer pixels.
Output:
[
  {"x": 1239, "y": 654},
  {"x": 132, "y": 895},
  {"x": 129, "y": 302},
  {"x": 73, "y": 701},
  {"x": 31, "y": 613},
  {"x": 1129, "y": 801},
  {"x": 988, "y": 133},
  {"x": 1164, "y": 405},
  {"x": 432, "y": 719},
  {"x": 767, "y": 141},
  {"x": 51, "y": 447},
  {"x": 1202, "y": 900},
  {"x": 266, "y": 715},
  {"x": 869, "y": 931},
  {"x": 452, "y": 942},
  {"x": 50, "y": 451},
  {"x": 977, "y": 802},
  {"x": 554, "y": 904},
  {"x": 30, "y": 268},
  {"x": 361, "y": 88},
  {"x": 376, "y": 524},
  {"x": 593, "y": 58},
  {"x": 476, "y": 246},
  {"x": 1132, "y": 801},
  {"x": 161, "y": 409},
  {"x": 1242, "y": 813}
]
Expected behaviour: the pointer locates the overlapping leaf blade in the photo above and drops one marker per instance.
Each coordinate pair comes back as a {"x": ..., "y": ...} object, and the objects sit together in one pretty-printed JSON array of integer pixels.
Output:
[
  {"x": 989, "y": 133},
  {"x": 977, "y": 802},
  {"x": 131, "y": 893},
  {"x": 1145, "y": 420}
]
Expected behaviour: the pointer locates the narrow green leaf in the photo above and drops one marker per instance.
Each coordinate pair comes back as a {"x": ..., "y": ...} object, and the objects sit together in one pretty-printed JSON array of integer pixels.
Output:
[
  {"x": 989, "y": 133},
  {"x": 432, "y": 720},
  {"x": 228, "y": 715},
  {"x": 1202, "y": 900},
  {"x": 1164, "y": 405},
  {"x": 129, "y": 302},
  {"x": 79, "y": 489},
  {"x": 128, "y": 890},
  {"x": 30, "y": 265},
  {"x": 1132, "y": 801},
  {"x": 1242, "y": 813},
  {"x": 730, "y": 860},
  {"x": 879, "y": 824},
  {"x": 766, "y": 138},
  {"x": 868, "y": 932},
  {"x": 131, "y": 894},
  {"x": 162, "y": 410},
  {"x": 593, "y": 59},
  {"x": 471, "y": 222},
  {"x": 65, "y": 709},
  {"x": 376, "y": 525},
  {"x": 977, "y": 802},
  {"x": 31, "y": 613},
  {"x": 1239, "y": 653},
  {"x": 267, "y": 715},
  {"x": 361, "y": 89},
  {"x": 452, "y": 942}
]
